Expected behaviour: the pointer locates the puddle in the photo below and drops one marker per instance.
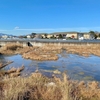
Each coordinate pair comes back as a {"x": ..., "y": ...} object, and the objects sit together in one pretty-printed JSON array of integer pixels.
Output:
[{"x": 77, "y": 67}]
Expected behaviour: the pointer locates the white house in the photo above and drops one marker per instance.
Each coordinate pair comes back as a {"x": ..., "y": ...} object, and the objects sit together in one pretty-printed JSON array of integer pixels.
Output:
[
  {"x": 4, "y": 36},
  {"x": 28, "y": 36}
]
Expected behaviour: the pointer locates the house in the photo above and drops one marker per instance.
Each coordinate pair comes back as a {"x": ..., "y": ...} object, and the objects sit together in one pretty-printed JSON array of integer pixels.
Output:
[
  {"x": 73, "y": 35},
  {"x": 55, "y": 35},
  {"x": 84, "y": 36},
  {"x": 66, "y": 35},
  {"x": 49, "y": 36},
  {"x": 43, "y": 36},
  {"x": 4, "y": 36},
  {"x": 80, "y": 36},
  {"x": 28, "y": 36},
  {"x": 38, "y": 36},
  {"x": 98, "y": 38}
]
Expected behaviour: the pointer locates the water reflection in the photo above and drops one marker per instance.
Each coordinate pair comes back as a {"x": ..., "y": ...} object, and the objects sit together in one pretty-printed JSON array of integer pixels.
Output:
[
  {"x": 2, "y": 59},
  {"x": 77, "y": 67}
]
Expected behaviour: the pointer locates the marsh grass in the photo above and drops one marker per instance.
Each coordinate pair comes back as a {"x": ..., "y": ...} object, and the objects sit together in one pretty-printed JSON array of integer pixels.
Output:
[
  {"x": 49, "y": 52},
  {"x": 10, "y": 48},
  {"x": 13, "y": 46},
  {"x": 84, "y": 50},
  {"x": 41, "y": 53},
  {"x": 35, "y": 87},
  {"x": 39, "y": 87}
]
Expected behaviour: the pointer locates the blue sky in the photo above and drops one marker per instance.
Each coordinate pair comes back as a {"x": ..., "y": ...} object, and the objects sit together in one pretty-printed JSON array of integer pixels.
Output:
[{"x": 21, "y": 17}]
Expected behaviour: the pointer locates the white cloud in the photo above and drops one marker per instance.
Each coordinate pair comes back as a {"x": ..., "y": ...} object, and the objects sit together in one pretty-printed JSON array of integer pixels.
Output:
[
  {"x": 36, "y": 29},
  {"x": 16, "y": 28},
  {"x": 61, "y": 29},
  {"x": 20, "y": 31}
]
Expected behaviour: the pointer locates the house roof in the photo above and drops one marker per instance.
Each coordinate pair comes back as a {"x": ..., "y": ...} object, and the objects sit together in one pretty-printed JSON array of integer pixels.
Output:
[
  {"x": 83, "y": 33},
  {"x": 63, "y": 33}
]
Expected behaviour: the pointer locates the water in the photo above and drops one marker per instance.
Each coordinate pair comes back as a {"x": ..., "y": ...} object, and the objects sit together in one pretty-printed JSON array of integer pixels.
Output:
[{"x": 77, "y": 67}]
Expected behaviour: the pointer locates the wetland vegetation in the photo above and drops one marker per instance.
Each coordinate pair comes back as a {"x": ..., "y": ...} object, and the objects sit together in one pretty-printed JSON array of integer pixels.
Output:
[{"x": 37, "y": 86}]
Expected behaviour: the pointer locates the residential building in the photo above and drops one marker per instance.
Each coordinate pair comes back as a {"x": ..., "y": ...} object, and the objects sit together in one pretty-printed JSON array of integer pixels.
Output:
[
  {"x": 72, "y": 35},
  {"x": 86, "y": 36},
  {"x": 49, "y": 36},
  {"x": 4, "y": 36},
  {"x": 43, "y": 36},
  {"x": 28, "y": 36}
]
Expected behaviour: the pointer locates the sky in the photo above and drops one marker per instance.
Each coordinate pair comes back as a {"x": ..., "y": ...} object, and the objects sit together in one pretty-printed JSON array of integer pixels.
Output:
[{"x": 21, "y": 17}]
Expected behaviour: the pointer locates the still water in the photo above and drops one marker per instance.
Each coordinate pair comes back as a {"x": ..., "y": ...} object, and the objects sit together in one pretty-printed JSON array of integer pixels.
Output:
[{"x": 77, "y": 67}]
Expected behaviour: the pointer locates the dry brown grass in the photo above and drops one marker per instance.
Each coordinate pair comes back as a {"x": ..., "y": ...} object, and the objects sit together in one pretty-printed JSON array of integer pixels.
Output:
[
  {"x": 35, "y": 87},
  {"x": 39, "y": 87},
  {"x": 84, "y": 50},
  {"x": 13, "y": 46},
  {"x": 35, "y": 53},
  {"x": 13, "y": 72},
  {"x": 10, "y": 48},
  {"x": 40, "y": 53},
  {"x": 49, "y": 52}
]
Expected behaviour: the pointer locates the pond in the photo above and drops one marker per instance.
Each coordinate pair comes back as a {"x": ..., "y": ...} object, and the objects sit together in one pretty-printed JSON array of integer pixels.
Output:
[{"x": 77, "y": 67}]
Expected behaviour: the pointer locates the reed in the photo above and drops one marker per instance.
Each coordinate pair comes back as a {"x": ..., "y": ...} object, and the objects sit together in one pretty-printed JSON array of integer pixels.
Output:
[{"x": 39, "y": 87}]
